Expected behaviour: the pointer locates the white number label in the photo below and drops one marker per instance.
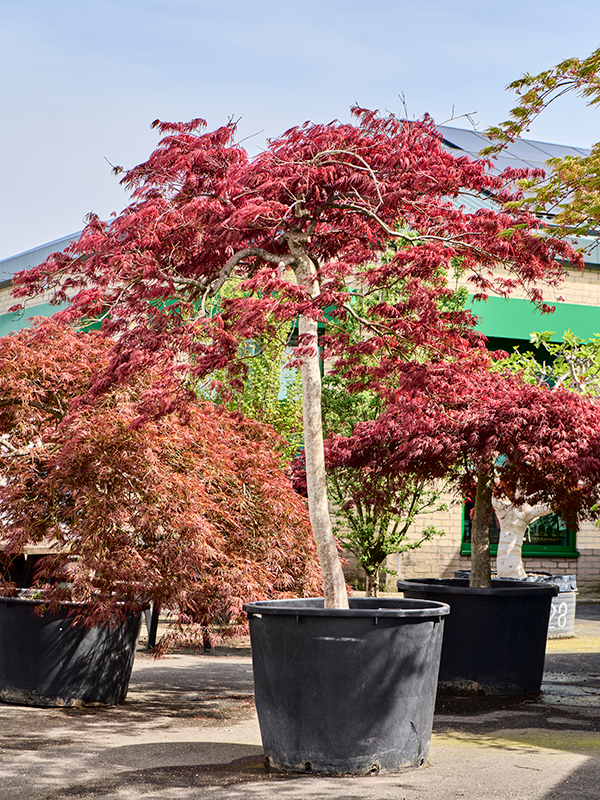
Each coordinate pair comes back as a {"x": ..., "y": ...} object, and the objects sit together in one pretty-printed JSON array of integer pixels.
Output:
[{"x": 558, "y": 615}]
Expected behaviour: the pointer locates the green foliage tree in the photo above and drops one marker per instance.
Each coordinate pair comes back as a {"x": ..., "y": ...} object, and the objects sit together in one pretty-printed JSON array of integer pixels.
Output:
[
  {"x": 366, "y": 527},
  {"x": 573, "y": 363},
  {"x": 271, "y": 391},
  {"x": 569, "y": 195}
]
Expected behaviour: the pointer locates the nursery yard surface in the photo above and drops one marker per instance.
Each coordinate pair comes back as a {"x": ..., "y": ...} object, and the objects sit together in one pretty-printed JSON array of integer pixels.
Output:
[{"x": 189, "y": 730}]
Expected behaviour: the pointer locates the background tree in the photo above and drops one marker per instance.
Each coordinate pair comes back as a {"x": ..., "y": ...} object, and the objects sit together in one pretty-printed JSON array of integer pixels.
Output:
[
  {"x": 573, "y": 363},
  {"x": 192, "y": 512},
  {"x": 298, "y": 222},
  {"x": 569, "y": 196},
  {"x": 272, "y": 389},
  {"x": 486, "y": 432}
]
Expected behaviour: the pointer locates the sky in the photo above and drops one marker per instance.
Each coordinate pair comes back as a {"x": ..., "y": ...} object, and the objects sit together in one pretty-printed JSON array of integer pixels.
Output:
[{"x": 82, "y": 80}]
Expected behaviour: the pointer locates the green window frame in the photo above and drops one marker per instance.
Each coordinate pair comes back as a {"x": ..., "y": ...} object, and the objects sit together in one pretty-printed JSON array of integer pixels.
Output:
[{"x": 547, "y": 537}]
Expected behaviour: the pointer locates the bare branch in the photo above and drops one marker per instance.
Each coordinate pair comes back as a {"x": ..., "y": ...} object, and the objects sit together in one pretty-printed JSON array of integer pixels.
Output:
[{"x": 367, "y": 167}]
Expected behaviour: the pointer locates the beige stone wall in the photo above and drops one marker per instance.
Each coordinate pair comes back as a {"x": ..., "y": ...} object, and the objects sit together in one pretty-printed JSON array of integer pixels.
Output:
[
  {"x": 7, "y": 300},
  {"x": 579, "y": 287},
  {"x": 441, "y": 556}
]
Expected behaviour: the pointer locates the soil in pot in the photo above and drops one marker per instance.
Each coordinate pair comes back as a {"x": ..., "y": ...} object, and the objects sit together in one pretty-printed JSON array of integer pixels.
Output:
[{"x": 346, "y": 691}]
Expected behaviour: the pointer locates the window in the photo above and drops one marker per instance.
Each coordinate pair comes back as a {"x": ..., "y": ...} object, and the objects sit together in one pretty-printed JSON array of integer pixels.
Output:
[{"x": 547, "y": 536}]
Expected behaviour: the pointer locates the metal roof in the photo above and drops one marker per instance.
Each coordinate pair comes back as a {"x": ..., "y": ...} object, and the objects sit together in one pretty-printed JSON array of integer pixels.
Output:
[
  {"x": 31, "y": 258},
  {"x": 521, "y": 154}
]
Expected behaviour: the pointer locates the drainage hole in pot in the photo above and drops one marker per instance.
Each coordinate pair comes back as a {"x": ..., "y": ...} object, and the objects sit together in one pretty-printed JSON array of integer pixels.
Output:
[
  {"x": 308, "y": 766},
  {"x": 421, "y": 762},
  {"x": 374, "y": 769}
]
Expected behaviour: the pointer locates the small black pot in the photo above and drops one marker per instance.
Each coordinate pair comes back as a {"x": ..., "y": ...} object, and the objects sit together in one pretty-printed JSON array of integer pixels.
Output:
[
  {"x": 346, "y": 690},
  {"x": 47, "y": 660},
  {"x": 495, "y": 639}
]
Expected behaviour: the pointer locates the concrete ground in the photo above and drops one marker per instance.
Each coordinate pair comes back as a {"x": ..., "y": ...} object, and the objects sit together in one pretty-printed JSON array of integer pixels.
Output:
[{"x": 189, "y": 730}]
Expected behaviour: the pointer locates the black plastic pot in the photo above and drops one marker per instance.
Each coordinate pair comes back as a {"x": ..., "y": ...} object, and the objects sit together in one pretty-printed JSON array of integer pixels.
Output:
[
  {"x": 495, "y": 639},
  {"x": 47, "y": 660},
  {"x": 562, "y": 610},
  {"x": 346, "y": 691}
]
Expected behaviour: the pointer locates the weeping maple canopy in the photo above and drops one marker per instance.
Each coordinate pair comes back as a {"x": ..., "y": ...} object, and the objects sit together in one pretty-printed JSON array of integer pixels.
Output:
[
  {"x": 192, "y": 512},
  {"x": 203, "y": 211},
  {"x": 302, "y": 227}
]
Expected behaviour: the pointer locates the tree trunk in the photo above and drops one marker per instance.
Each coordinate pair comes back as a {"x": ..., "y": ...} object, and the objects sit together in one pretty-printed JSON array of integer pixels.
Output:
[
  {"x": 372, "y": 584},
  {"x": 334, "y": 583},
  {"x": 481, "y": 569},
  {"x": 513, "y": 524}
]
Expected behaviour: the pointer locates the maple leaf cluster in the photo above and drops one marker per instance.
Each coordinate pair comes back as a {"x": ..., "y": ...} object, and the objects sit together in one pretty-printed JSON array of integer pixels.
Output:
[{"x": 190, "y": 511}]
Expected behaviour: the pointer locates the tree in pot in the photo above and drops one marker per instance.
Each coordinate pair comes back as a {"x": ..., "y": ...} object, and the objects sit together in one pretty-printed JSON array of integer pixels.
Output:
[
  {"x": 295, "y": 225},
  {"x": 526, "y": 443},
  {"x": 191, "y": 511},
  {"x": 574, "y": 365}
]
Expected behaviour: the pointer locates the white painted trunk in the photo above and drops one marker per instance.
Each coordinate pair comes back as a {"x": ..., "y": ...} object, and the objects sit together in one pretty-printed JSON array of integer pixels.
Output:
[{"x": 513, "y": 523}]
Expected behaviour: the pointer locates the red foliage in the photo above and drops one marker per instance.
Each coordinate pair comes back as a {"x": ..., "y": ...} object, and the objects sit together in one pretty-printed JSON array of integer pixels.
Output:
[
  {"x": 336, "y": 193},
  {"x": 304, "y": 226},
  {"x": 459, "y": 418},
  {"x": 191, "y": 512}
]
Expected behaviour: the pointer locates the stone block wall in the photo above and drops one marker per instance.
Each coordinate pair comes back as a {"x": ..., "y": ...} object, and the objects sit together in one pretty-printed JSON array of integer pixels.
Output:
[
  {"x": 579, "y": 287},
  {"x": 7, "y": 301},
  {"x": 441, "y": 556}
]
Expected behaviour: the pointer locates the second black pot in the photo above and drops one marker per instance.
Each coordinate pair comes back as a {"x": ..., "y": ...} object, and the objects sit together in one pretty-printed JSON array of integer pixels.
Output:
[
  {"x": 495, "y": 639},
  {"x": 48, "y": 660}
]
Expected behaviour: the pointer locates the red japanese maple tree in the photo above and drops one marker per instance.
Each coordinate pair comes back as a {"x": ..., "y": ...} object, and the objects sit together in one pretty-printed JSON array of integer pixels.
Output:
[
  {"x": 191, "y": 511},
  {"x": 488, "y": 433},
  {"x": 302, "y": 226}
]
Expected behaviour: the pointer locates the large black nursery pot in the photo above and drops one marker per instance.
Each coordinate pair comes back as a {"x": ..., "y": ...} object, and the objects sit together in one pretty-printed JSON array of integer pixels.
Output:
[
  {"x": 47, "y": 660},
  {"x": 346, "y": 690},
  {"x": 495, "y": 639}
]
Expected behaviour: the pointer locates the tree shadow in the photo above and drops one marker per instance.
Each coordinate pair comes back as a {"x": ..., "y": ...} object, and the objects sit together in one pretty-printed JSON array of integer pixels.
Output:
[{"x": 583, "y": 783}]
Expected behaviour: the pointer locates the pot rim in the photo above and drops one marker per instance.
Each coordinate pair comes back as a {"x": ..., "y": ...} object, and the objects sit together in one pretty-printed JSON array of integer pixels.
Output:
[
  {"x": 359, "y": 607},
  {"x": 509, "y": 588},
  {"x": 37, "y": 601}
]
